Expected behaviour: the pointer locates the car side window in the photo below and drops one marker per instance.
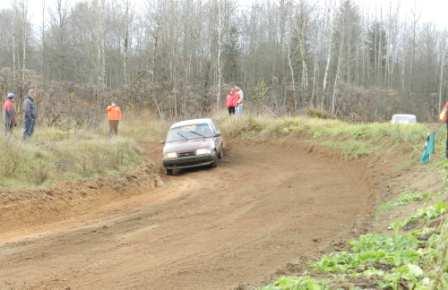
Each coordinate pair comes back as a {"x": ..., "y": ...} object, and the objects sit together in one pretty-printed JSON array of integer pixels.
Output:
[{"x": 214, "y": 130}]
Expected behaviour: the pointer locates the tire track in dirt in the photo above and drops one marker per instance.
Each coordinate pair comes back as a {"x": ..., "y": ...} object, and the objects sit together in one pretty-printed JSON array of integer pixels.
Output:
[{"x": 264, "y": 206}]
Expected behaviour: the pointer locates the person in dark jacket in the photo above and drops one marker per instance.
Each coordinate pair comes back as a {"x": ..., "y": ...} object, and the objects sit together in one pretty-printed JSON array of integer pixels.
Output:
[
  {"x": 9, "y": 114},
  {"x": 29, "y": 115}
]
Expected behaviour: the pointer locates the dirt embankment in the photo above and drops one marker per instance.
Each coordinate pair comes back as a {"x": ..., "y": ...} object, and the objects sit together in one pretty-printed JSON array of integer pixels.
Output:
[
  {"x": 264, "y": 206},
  {"x": 25, "y": 210}
]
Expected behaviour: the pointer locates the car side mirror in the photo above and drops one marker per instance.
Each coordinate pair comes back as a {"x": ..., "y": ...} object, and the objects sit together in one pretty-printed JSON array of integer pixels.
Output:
[{"x": 218, "y": 134}]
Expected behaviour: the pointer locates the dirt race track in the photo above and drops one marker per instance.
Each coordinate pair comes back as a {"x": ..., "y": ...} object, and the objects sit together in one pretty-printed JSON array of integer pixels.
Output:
[{"x": 266, "y": 205}]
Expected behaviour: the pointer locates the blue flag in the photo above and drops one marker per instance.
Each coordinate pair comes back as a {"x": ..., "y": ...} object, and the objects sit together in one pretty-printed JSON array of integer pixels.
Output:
[{"x": 430, "y": 148}]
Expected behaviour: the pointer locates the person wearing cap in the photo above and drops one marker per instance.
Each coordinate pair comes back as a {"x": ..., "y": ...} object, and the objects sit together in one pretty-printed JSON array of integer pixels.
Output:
[
  {"x": 114, "y": 117},
  {"x": 29, "y": 115},
  {"x": 9, "y": 113}
]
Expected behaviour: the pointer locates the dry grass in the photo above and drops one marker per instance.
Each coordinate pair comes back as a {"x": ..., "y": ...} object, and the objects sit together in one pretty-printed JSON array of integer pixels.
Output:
[
  {"x": 352, "y": 139},
  {"x": 54, "y": 155}
]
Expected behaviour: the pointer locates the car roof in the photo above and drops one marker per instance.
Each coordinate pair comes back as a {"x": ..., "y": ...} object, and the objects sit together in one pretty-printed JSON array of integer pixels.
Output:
[{"x": 192, "y": 122}]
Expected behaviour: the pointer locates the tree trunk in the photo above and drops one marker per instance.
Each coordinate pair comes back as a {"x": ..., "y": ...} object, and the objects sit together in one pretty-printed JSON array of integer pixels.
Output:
[
  {"x": 315, "y": 78},
  {"x": 442, "y": 68},
  {"x": 293, "y": 79},
  {"x": 126, "y": 46},
  {"x": 304, "y": 78},
  {"x": 328, "y": 64},
  {"x": 338, "y": 72},
  {"x": 43, "y": 69},
  {"x": 14, "y": 46},
  {"x": 24, "y": 41},
  {"x": 219, "y": 65},
  {"x": 101, "y": 58}
]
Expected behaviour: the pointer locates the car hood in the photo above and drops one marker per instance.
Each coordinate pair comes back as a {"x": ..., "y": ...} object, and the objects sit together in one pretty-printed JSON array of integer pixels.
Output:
[{"x": 187, "y": 145}]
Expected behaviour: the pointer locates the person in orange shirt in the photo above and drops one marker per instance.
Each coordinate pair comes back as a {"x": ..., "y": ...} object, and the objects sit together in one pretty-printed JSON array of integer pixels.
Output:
[{"x": 114, "y": 117}]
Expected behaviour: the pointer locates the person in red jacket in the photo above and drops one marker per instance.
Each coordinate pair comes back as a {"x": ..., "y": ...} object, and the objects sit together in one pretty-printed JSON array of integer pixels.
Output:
[
  {"x": 9, "y": 114},
  {"x": 231, "y": 101}
]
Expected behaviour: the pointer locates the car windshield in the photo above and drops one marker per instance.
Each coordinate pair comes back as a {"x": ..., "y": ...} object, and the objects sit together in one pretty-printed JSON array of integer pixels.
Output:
[{"x": 189, "y": 132}]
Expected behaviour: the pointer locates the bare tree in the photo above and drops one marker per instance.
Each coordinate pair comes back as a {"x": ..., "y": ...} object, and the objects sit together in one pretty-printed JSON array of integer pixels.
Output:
[
  {"x": 101, "y": 42},
  {"x": 14, "y": 45},
  {"x": 179, "y": 56},
  {"x": 126, "y": 42},
  {"x": 219, "y": 60},
  {"x": 43, "y": 67},
  {"x": 442, "y": 69},
  {"x": 330, "y": 32},
  {"x": 24, "y": 39}
]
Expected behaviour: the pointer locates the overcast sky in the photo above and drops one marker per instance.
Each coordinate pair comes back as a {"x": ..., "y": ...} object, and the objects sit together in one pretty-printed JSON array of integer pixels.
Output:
[{"x": 435, "y": 11}]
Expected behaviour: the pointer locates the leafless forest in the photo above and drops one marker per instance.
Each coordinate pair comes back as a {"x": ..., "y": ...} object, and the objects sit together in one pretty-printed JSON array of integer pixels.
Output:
[{"x": 178, "y": 58}]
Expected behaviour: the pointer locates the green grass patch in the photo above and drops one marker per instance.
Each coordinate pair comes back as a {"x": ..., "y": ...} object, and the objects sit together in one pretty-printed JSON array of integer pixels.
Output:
[
  {"x": 416, "y": 259},
  {"x": 296, "y": 283},
  {"x": 406, "y": 198},
  {"x": 401, "y": 261},
  {"x": 372, "y": 252},
  {"x": 422, "y": 216}
]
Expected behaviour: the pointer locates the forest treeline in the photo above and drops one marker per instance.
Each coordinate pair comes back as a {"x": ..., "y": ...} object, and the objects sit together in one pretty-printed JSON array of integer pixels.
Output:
[{"x": 179, "y": 58}]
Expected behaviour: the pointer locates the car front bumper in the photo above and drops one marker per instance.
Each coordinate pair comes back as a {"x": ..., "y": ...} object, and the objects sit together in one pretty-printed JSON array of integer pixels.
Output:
[{"x": 189, "y": 162}]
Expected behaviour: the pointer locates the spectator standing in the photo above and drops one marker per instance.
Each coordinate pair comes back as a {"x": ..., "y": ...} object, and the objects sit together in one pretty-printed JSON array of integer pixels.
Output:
[
  {"x": 9, "y": 114},
  {"x": 239, "y": 106},
  {"x": 231, "y": 101},
  {"x": 114, "y": 117},
  {"x": 29, "y": 115}
]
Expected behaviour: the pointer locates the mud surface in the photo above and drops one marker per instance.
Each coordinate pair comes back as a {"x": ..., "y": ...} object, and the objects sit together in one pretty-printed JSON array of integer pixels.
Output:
[{"x": 265, "y": 206}]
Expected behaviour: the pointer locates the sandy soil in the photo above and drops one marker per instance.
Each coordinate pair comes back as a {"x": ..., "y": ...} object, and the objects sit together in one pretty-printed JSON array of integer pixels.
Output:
[{"x": 265, "y": 206}]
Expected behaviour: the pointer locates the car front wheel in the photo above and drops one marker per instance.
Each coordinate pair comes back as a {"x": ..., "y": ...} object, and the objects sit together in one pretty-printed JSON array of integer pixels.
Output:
[
  {"x": 215, "y": 160},
  {"x": 221, "y": 154}
]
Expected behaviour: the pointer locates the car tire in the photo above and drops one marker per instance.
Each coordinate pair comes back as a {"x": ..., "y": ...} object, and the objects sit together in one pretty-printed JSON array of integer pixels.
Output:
[{"x": 170, "y": 172}]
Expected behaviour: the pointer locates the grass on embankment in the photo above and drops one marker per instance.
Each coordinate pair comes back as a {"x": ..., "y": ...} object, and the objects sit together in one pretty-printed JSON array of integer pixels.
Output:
[
  {"x": 353, "y": 140},
  {"x": 57, "y": 155}
]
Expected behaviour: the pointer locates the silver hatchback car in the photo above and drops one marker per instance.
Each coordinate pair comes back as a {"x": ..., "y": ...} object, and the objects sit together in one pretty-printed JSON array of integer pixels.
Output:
[{"x": 192, "y": 143}]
